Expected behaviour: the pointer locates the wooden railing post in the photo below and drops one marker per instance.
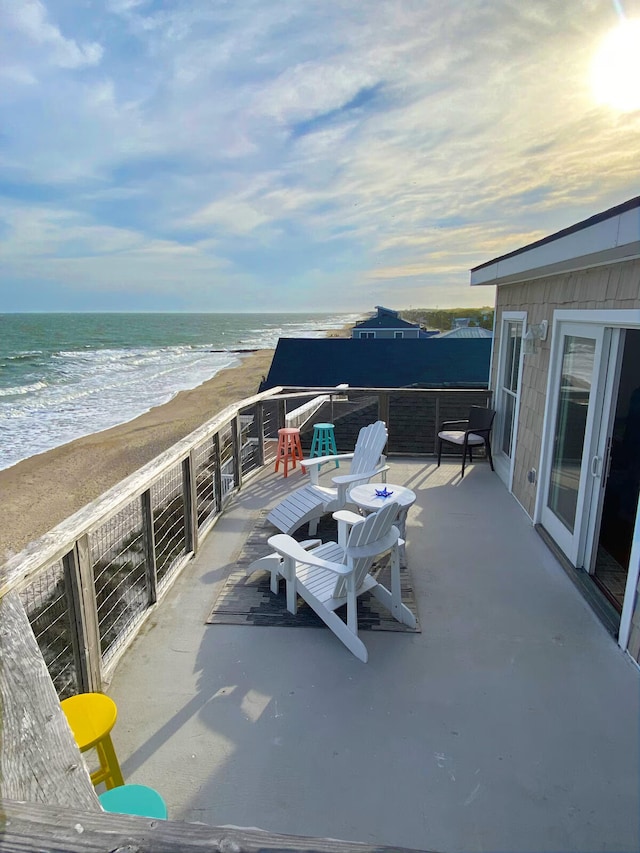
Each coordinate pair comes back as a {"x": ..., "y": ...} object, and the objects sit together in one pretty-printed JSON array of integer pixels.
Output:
[
  {"x": 383, "y": 407},
  {"x": 236, "y": 440},
  {"x": 282, "y": 413},
  {"x": 86, "y": 631},
  {"x": 149, "y": 546},
  {"x": 189, "y": 503},
  {"x": 217, "y": 474},
  {"x": 39, "y": 759},
  {"x": 436, "y": 425},
  {"x": 260, "y": 431}
]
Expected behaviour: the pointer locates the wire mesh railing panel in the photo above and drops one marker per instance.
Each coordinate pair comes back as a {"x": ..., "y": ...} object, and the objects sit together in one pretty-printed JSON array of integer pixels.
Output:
[
  {"x": 169, "y": 529},
  {"x": 49, "y": 610},
  {"x": 204, "y": 473},
  {"x": 249, "y": 441},
  {"x": 270, "y": 429},
  {"x": 119, "y": 560},
  {"x": 350, "y": 413},
  {"x": 412, "y": 420},
  {"x": 227, "y": 466}
]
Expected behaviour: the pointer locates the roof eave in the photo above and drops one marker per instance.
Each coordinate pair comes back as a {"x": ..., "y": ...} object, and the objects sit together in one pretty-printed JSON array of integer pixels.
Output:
[{"x": 611, "y": 240}]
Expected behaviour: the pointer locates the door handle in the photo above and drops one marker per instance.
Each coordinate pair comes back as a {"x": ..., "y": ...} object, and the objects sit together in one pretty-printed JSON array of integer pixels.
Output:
[
  {"x": 594, "y": 465},
  {"x": 606, "y": 468}
]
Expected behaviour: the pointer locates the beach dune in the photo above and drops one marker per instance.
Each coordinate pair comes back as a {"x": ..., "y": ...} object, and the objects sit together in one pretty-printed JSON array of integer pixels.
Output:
[{"x": 40, "y": 492}]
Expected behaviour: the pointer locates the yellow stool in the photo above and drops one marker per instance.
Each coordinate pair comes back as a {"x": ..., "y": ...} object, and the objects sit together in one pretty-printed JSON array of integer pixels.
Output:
[{"x": 91, "y": 716}]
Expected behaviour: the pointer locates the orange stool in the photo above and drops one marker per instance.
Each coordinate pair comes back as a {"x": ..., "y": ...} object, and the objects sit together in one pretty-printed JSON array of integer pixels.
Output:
[
  {"x": 289, "y": 448},
  {"x": 91, "y": 716}
]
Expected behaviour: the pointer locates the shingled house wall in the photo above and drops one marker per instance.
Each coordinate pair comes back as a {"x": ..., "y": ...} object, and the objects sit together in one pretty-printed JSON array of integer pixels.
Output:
[{"x": 615, "y": 286}]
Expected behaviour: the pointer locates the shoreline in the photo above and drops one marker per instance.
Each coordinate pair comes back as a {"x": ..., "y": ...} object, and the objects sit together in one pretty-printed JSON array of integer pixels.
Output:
[{"x": 42, "y": 490}]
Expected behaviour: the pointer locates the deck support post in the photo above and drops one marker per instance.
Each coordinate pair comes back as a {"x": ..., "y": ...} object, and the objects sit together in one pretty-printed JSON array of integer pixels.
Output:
[
  {"x": 260, "y": 431},
  {"x": 80, "y": 582},
  {"x": 150, "y": 547},
  {"x": 236, "y": 438},
  {"x": 217, "y": 474},
  {"x": 189, "y": 500}
]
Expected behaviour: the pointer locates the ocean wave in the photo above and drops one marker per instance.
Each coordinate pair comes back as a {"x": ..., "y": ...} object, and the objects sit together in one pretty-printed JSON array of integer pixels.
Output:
[
  {"x": 23, "y": 356},
  {"x": 52, "y": 396},
  {"x": 22, "y": 389}
]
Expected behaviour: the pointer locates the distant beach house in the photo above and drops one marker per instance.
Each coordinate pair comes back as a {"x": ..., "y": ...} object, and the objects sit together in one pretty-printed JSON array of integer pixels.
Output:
[
  {"x": 387, "y": 323},
  {"x": 566, "y": 386},
  {"x": 462, "y": 329}
]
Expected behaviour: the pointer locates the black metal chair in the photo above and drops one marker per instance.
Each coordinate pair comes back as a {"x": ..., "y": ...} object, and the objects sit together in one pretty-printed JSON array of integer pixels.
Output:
[{"x": 474, "y": 431}]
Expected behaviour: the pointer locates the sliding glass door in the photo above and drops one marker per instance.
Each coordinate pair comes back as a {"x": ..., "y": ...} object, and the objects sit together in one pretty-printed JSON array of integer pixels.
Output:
[{"x": 575, "y": 415}]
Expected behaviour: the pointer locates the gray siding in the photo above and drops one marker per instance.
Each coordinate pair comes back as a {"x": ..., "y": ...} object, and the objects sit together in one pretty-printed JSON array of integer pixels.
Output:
[
  {"x": 608, "y": 287},
  {"x": 616, "y": 286}
]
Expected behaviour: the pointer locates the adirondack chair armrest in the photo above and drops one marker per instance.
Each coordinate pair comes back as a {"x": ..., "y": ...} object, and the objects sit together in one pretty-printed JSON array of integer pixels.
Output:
[
  {"x": 345, "y": 479},
  {"x": 320, "y": 460},
  {"x": 346, "y": 521},
  {"x": 270, "y": 562},
  {"x": 313, "y": 465},
  {"x": 347, "y": 516},
  {"x": 288, "y": 547}
]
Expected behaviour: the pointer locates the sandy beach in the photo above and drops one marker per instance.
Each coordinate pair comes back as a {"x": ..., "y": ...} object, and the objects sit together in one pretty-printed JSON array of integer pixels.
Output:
[{"x": 42, "y": 491}]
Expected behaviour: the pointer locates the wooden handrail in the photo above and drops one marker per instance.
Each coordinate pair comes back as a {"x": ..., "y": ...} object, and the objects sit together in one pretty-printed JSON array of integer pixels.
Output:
[
  {"x": 32, "y": 828},
  {"x": 53, "y": 545}
]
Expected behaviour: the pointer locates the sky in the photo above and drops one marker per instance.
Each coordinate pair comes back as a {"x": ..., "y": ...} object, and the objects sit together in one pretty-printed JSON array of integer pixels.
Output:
[{"x": 300, "y": 155}]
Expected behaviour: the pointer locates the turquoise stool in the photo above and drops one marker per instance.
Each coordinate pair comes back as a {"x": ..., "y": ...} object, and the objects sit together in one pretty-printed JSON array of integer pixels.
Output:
[
  {"x": 134, "y": 799},
  {"x": 324, "y": 441}
]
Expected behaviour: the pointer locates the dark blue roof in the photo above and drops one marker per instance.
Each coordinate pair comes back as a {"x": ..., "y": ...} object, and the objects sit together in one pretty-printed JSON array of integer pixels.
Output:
[{"x": 380, "y": 363}]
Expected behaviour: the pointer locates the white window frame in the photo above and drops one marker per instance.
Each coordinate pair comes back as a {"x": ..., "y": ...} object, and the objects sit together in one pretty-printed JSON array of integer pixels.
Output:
[
  {"x": 365, "y": 335},
  {"x": 398, "y": 335},
  {"x": 509, "y": 317}
]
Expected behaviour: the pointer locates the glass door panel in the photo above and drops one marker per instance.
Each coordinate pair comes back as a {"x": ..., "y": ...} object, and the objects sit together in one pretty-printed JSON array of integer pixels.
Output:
[
  {"x": 507, "y": 390},
  {"x": 574, "y": 395},
  {"x": 570, "y": 428}
]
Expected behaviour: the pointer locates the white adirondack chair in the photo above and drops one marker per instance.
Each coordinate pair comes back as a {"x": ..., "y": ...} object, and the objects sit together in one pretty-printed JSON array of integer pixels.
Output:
[
  {"x": 309, "y": 503},
  {"x": 331, "y": 575}
]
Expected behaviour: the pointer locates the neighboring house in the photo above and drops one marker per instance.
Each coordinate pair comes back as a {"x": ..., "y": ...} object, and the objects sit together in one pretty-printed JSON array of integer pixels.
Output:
[
  {"x": 422, "y": 362},
  {"x": 464, "y": 331},
  {"x": 566, "y": 385},
  {"x": 386, "y": 323}
]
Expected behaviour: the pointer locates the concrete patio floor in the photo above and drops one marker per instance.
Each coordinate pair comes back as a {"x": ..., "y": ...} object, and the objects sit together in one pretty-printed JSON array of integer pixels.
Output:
[{"x": 509, "y": 724}]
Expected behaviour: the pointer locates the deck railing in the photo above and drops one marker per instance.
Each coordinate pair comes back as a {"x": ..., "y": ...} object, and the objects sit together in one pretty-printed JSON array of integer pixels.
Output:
[
  {"x": 88, "y": 584},
  {"x": 86, "y": 587}
]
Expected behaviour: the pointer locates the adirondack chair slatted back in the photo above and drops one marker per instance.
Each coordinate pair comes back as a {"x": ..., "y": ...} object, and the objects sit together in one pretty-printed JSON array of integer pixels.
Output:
[
  {"x": 369, "y": 447},
  {"x": 373, "y": 529}
]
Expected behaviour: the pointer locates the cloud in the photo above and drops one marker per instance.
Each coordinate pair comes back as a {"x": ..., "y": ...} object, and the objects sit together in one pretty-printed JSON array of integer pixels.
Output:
[
  {"x": 355, "y": 153},
  {"x": 29, "y": 18}
]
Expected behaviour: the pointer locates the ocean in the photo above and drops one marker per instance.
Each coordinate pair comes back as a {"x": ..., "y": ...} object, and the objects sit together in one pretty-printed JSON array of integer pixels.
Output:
[{"x": 63, "y": 376}]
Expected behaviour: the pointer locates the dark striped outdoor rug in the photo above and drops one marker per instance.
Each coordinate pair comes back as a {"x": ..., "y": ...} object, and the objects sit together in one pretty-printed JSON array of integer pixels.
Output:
[{"x": 249, "y": 600}]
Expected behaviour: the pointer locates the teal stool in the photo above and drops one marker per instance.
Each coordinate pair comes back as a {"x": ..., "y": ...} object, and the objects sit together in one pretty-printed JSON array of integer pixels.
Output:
[
  {"x": 324, "y": 441},
  {"x": 134, "y": 799}
]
